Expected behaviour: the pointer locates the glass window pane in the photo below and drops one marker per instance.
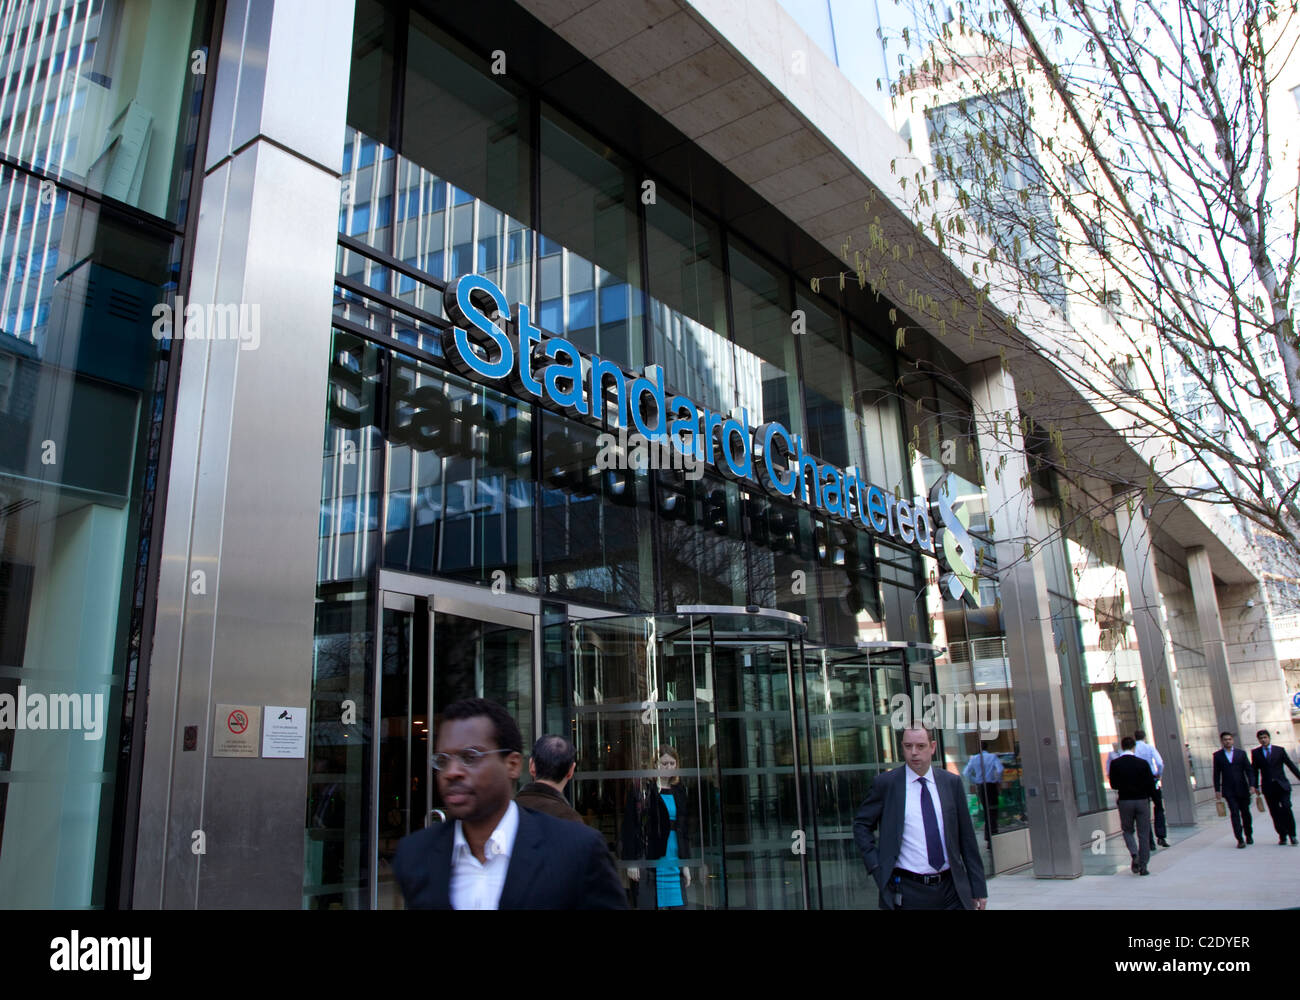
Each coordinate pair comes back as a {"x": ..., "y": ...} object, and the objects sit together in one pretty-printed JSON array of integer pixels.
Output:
[
  {"x": 833, "y": 423},
  {"x": 102, "y": 94},
  {"x": 460, "y": 460},
  {"x": 767, "y": 374},
  {"x": 78, "y": 370},
  {"x": 464, "y": 126},
  {"x": 588, "y": 207},
  {"x": 688, "y": 304},
  {"x": 596, "y": 526}
]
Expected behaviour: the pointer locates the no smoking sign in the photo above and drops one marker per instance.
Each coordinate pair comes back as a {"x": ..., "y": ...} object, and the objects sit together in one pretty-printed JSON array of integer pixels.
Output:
[{"x": 236, "y": 730}]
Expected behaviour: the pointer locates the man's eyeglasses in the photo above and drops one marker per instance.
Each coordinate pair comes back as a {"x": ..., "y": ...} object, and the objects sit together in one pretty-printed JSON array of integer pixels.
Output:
[{"x": 470, "y": 757}]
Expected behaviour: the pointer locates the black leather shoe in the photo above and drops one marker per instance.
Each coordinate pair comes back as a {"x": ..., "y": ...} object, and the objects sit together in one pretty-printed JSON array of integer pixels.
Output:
[
  {"x": 1293, "y": 842},
  {"x": 1162, "y": 842},
  {"x": 1249, "y": 839},
  {"x": 1144, "y": 872},
  {"x": 1281, "y": 841},
  {"x": 1241, "y": 845},
  {"x": 1135, "y": 867}
]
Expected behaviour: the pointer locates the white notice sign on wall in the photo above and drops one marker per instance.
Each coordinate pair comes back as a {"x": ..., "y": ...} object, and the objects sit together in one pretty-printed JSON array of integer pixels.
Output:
[{"x": 285, "y": 731}]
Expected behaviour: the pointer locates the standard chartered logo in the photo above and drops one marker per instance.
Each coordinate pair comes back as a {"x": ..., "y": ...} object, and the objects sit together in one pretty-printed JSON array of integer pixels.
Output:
[{"x": 956, "y": 547}]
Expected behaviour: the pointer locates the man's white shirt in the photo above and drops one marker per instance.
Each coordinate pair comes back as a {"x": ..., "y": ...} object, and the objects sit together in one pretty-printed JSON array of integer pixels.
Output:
[
  {"x": 913, "y": 856},
  {"x": 477, "y": 885}
]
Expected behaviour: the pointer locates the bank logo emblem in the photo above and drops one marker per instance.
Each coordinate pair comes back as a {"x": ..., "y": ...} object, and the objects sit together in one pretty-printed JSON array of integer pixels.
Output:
[{"x": 955, "y": 546}]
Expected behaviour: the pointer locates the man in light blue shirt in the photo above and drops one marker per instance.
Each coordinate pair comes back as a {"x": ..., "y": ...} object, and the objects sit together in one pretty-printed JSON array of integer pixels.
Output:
[
  {"x": 984, "y": 772},
  {"x": 1152, "y": 756}
]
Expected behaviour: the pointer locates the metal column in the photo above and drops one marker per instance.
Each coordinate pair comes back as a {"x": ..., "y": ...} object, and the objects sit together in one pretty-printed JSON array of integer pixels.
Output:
[
  {"x": 1144, "y": 590},
  {"x": 244, "y": 492},
  {"x": 1215, "y": 647},
  {"x": 1031, "y": 650}
]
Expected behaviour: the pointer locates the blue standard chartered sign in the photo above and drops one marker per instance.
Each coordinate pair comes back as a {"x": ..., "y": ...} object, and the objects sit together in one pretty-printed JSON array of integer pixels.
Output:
[{"x": 487, "y": 344}]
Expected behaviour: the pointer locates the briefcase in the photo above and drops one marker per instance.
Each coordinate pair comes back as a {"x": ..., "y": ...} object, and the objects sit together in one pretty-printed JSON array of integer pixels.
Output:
[
  {"x": 1221, "y": 807},
  {"x": 1259, "y": 803}
]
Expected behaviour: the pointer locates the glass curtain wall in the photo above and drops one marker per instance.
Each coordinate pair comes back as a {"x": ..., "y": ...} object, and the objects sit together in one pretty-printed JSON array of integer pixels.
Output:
[
  {"x": 100, "y": 95},
  {"x": 98, "y": 114},
  {"x": 444, "y": 188},
  {"x": 702, "y": 551},
  {"x": 973, "y": 675},
  {"x": 448, "y": 170}
]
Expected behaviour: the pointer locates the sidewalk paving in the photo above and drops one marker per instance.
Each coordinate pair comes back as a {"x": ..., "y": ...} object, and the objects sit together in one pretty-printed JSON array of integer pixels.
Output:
[{"x": 1200, "y": 870}]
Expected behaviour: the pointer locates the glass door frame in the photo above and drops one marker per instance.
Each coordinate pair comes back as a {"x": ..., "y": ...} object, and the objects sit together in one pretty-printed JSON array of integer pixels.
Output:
[
  {"x": 868, "y": 655},
  {"x": 796, "y": 630},
  {"x": 398, "y": 591}
]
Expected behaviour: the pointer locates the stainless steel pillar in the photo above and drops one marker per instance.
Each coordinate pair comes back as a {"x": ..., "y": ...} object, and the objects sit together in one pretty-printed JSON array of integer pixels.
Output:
[
  {"x": 1144, "y": 591},
  {"x": 1211, "y": 626},
  {"x": 238, "y": 573},
  {"x": 1031, "y": 650}
]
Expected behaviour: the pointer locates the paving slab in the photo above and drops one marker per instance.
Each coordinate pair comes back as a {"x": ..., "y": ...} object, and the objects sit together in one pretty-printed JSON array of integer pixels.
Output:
[{"x": 1202, "y": 869}]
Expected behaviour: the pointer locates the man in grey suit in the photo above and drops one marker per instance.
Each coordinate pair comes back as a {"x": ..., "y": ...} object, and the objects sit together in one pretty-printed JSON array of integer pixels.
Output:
[{"x": 916, "y": 837}]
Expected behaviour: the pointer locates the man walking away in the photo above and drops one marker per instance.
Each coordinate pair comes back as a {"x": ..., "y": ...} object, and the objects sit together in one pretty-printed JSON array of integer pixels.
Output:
[
  {"x": 1233, "y": 780},
  {"x": 984, "y": 771},
  {"x": 1131, "y": 777},
  {"x": 552, "y": 765},
  {"x": 1148, "y": 753},
  {"x": 1270, "y": 763}
]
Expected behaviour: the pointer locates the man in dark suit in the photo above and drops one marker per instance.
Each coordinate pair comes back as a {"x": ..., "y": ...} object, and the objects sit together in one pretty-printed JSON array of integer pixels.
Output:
[
  {"x": 1132, "y": 777},
  {"x": 1270, "y": 763},
  {"x": 497, "y": 855},
  {"x": 916, "y": 837},
  {"x": 552, "y": 764},
  {"x": 1233, "y": 780}
]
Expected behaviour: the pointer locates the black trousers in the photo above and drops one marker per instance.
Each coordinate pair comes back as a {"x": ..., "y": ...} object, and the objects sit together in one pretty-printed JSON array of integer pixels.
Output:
[
  {"x": 987, "y": 793},
  {"x": 1239, "y": 813},
  {"x": 1278, "y": 798},
  {"x": 1160, "y": 829},
  {"x": 916, "y": 896}
]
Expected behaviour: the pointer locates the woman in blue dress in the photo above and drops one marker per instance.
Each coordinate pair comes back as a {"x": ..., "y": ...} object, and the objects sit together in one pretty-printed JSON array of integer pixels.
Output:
[{"x": 654, "y": 829}]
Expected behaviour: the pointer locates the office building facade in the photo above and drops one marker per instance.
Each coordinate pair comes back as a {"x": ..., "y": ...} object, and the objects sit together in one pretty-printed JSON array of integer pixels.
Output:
[{"x": 294, "y": 513}]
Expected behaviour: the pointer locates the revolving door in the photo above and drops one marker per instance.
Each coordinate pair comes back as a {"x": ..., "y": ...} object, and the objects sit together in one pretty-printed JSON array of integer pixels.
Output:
[{"x": 770, "y": 746}]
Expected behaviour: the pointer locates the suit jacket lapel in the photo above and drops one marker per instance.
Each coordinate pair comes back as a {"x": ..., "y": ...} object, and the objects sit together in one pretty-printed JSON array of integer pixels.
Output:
[{"x": 525, "y": 861}]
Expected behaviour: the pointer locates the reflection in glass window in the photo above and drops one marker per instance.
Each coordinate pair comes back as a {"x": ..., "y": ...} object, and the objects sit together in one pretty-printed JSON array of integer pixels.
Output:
[
  {"x": 767, "y": 374},
  {"x": 464, "y": 124},
  {"x": 460, "y": 461},
  {"x": 702, "y": 549},
  {"x": 597, "y": 527},
  {"x": 833, "y": 424},
  {"x": 101, "y": 95},
  {"x": 880, "y": 411},
  {"x": 590, "y": 259},
  {"x": 78, "y": 368},
  {"x": 783, "y": 554},
  {"x": 688, "y": 304}
]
